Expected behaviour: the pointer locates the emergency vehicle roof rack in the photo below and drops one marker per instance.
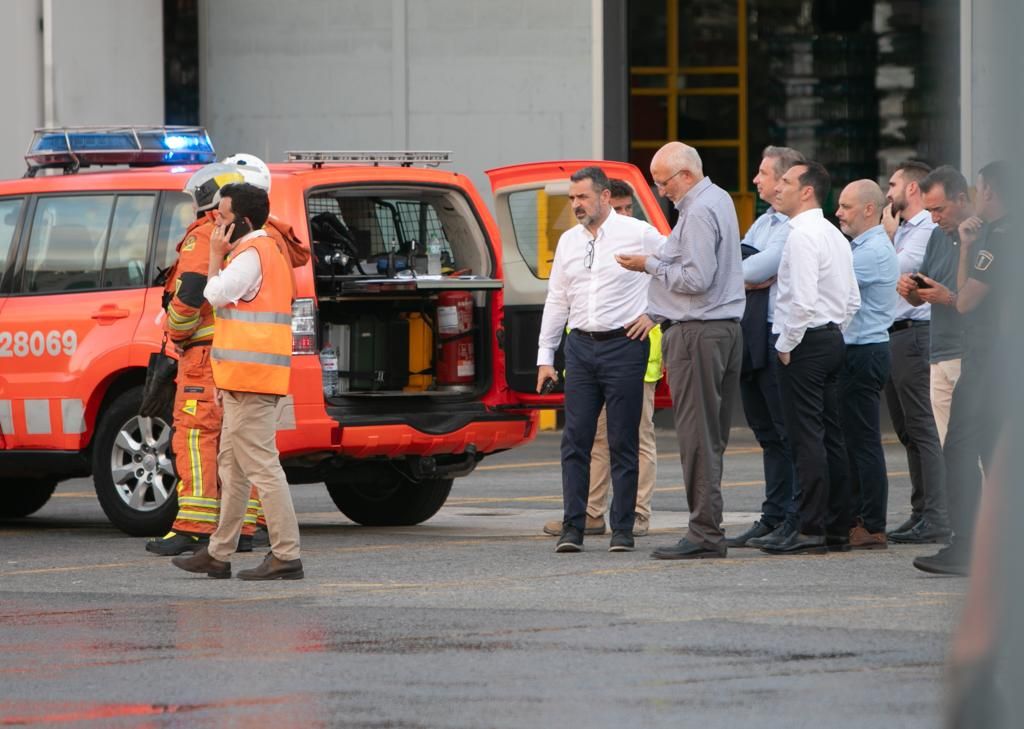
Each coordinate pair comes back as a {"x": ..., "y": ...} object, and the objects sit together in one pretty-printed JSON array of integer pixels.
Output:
[
  {"x": 71, "y": 148},
  {"x": 403, "y": 158}
]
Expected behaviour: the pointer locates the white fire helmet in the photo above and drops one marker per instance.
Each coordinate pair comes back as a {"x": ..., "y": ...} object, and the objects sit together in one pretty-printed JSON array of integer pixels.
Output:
[
  {"x": 205, "y": 183},
  {"x": 252, "y": 168}
]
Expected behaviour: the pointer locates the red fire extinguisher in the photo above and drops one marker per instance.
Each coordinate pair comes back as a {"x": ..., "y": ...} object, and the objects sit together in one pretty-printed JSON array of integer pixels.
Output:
[{"x": 454, "y": 366}]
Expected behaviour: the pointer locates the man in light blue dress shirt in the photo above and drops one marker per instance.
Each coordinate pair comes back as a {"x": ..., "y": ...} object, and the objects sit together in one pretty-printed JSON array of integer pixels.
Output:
[
  {"x": 867, "y": 361},
  {"x": 759, "y": 389}
]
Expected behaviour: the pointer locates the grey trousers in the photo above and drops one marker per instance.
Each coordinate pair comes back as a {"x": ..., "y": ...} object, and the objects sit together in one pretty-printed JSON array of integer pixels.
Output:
[
  {"x": 910, "y": 407},
  {"x": 248, "y": 455},
  {"x": 703, "y": 359}
]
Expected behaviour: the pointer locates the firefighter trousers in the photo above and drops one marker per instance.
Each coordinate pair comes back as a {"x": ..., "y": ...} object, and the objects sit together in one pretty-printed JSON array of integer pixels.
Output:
[{"x": 196, "y": 441}]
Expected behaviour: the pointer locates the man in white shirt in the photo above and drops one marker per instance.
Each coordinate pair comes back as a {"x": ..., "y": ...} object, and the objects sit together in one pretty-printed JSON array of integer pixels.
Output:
[
  {"x": 604, "y": 366},
  {"x": 907, "y": 393},
  {"x": 818, "y": 296}
]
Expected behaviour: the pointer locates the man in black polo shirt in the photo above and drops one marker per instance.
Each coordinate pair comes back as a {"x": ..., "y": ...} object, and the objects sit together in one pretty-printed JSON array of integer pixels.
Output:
[{"x": 974, "y": 421}]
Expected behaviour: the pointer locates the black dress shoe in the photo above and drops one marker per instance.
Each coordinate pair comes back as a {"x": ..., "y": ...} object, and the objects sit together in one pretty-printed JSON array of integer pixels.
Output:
[
  {"x": 798, "y": 543},
  {"x": 838, "y": 542},
  {"x": 758, "y": 529},
  {"x": 907, "y": 525},
  {"x": 779, "y": 535},
  {"x": 952, "y": 560},
  {"x": 571, "y": 539},
  {"x": 924, "y": 532},
  {"x": 685, "y": 549},
  {"x": 622, "y": 541},
  {"x": 201, "y": 562}
]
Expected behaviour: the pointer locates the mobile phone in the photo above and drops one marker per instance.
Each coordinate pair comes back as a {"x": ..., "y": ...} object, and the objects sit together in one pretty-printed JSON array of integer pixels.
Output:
[
  {"x": 919, "y": 280},
  {"x": 548, "y": 386},
  {"x": 241, "y": 228}
]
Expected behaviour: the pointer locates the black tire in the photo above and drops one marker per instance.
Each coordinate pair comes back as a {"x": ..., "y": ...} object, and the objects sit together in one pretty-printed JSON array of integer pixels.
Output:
[
  {"x": 25, "y": 496},
  {"x": 133, "y": 467},
  {"x": 390, "y": 500}
]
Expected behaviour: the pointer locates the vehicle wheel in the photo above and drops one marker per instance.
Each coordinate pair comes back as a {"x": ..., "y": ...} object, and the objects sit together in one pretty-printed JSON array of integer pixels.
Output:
[
  {"x": 133, "y": 468},
  {"x": 25, "y": 496},
  {"x": 391, "y": 500}
]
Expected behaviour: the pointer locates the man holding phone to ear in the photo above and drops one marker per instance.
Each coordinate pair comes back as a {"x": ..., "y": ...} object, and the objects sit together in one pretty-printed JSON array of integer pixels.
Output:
[{"x": 251, "y": 358}]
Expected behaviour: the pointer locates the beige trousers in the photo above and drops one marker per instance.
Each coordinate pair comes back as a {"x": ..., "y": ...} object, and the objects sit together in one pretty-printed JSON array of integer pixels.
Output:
[
  {"x": 943, "y": 379},
  {"x": 248, "y": 455},
  {"x": 600, "y": 462}
]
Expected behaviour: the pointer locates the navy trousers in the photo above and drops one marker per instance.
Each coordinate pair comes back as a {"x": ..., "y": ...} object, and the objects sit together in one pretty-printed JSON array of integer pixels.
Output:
[{"x": 600, "y": 373}]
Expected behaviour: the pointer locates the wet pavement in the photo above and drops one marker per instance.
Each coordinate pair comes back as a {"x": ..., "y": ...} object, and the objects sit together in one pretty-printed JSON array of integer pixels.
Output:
[{"x": 471, "y": 620}]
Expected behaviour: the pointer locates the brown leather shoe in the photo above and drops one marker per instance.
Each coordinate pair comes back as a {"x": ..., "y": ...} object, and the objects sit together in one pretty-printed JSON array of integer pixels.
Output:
[
  {"x": 861, "y": 538},
  {"x": 201, "y": 562},
  {"x": 641, "y": 525},
  {"x": 595, "y": 525},
  {"x": 273, "y": 568}
]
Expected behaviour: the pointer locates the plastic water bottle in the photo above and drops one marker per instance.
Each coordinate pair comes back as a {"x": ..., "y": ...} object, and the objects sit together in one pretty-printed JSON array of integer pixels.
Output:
[
  {"x": 434, "y": 256},
  {"x": 329, "y": 364}
]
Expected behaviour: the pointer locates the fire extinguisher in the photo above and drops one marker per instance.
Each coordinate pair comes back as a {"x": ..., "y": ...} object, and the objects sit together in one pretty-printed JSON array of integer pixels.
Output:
[{"x": 454, "y": 367}]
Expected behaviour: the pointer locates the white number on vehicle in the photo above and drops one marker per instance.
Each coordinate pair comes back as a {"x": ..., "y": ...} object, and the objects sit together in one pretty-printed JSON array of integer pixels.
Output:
[{"x": 38, "y": 344}]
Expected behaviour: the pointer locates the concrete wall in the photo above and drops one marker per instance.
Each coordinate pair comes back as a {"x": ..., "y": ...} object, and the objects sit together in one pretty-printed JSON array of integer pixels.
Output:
[
  {"x": 495, "y": 83},
  {"x": 107, "y": 68}
]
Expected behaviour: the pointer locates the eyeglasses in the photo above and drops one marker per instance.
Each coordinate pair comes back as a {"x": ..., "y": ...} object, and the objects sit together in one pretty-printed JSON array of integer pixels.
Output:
[
  {"x": 588, "y": 257},
  {"x": 662, "y": 185}
]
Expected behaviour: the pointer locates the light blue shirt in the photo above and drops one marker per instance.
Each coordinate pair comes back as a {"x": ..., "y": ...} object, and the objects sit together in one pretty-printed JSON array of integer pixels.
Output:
[
  {"x": 768, "y": 235},
  {"x": 911, "y": 241},
  {"x": 877, "y": 269}
]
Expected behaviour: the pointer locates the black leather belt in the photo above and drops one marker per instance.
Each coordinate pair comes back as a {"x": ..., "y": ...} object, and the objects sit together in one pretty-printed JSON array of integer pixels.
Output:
[
  {"x": 824, "y": 327},
  {"x": 601, "y": 336},
  {"x": 898, "y": 326}
]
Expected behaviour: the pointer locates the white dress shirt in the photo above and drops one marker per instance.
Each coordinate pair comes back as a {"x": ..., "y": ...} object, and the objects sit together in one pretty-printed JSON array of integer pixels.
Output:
[
  {"x": 605, "y": 296},
  {"x": 240, "y": 280},
  {"x": 816, "y": 280},
  {"x": 911, "y": 241}
]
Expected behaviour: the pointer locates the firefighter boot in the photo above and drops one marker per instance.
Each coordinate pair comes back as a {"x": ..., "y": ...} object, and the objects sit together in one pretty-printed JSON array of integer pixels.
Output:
[{"x": 174, "y": 543}]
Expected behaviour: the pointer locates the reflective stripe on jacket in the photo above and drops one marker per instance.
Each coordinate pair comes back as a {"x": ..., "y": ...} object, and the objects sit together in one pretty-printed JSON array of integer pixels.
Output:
[{"x": 252, "y": 340}]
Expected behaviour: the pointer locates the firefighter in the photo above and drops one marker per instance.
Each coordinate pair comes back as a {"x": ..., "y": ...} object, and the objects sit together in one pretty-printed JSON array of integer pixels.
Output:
[{"x": 197, "y": 416}]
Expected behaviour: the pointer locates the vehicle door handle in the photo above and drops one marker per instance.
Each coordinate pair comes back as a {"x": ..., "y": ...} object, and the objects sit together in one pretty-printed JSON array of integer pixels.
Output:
[{"x": 109, "y": 313}]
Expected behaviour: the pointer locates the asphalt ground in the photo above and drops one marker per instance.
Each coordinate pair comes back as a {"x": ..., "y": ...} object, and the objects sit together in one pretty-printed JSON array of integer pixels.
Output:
[{"x": 472, "y": 620}]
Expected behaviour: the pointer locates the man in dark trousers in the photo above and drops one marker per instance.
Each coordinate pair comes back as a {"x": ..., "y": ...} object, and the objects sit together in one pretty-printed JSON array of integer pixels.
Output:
[
  {"x": 818, "y": 298},
  {"x": 974, "y": 419},
  {"x": 759, "y": 387},
  {"x": 604, "y": 365}
]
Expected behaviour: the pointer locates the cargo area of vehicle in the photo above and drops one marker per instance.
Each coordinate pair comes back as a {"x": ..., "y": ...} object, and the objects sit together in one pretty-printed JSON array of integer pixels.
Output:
[{"x": 404, "y": 288}]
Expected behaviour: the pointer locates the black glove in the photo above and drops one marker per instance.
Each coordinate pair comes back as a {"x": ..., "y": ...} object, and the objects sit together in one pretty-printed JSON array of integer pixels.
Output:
[{"x": 158, "y": 392}]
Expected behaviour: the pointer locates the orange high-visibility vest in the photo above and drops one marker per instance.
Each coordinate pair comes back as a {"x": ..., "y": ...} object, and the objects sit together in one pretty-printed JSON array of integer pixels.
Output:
[{"x": 252, "y": 340}]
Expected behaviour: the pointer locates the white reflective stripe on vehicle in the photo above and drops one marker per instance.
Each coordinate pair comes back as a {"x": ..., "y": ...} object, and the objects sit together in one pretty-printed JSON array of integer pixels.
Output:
[
  {"x": 72, "y": 414},
  {"x": 6, "y": 421},
  {"x": 284, "y": 413},
  {"x": 255, "y": 317},
  {"x": 37, "y": 417}
]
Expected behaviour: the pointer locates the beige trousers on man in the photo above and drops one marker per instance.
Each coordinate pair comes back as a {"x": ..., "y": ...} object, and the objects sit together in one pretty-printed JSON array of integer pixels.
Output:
[
  {"x": 248, "y": 455},
  {"x": 943, "y": 379},
  {"x": 600, "y": 463}
]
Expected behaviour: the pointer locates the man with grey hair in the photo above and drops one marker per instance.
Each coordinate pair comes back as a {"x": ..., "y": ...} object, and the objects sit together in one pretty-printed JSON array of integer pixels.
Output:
[
  {"x": 696, "y": 294},
  {"x": 759, "y": 388},
  {"x": 866, "y": 364}
]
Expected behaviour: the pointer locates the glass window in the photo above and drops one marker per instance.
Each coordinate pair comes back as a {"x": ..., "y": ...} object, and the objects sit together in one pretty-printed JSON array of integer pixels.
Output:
[
  {"x": 538, "y": 221},
  {"x": 65, "y": 250},
  {"x": 10, "y": 210},
  {"x": 129, "y": 239},
  {"x": 176, "y": 214}
]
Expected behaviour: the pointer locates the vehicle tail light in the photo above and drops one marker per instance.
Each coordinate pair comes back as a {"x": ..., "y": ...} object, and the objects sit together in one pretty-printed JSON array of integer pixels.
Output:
[{"x": 303, "y": 327}]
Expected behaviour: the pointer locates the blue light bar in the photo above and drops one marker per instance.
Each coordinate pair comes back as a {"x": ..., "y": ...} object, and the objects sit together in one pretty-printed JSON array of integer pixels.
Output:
[{"x": 71, "y": 148}]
